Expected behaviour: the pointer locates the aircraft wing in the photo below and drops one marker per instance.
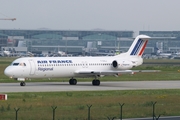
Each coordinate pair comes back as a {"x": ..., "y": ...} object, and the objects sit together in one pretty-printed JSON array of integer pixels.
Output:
[
  {"x": 146, "y": 71},
  {"x": 111, "y": 72}
]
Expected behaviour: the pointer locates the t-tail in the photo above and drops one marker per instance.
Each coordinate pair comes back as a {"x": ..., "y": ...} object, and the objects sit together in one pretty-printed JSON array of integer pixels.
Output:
[{"x": 138, "y": 46}]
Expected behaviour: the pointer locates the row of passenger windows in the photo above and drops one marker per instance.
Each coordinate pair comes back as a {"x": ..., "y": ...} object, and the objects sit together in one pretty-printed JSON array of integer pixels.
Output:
[{"x": 91, "y": 64}]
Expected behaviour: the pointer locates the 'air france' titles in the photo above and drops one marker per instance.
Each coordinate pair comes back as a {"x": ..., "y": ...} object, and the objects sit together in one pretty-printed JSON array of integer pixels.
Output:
[
  {"x": 50, "y": 62},
  {"x": 53, "y": 61}
]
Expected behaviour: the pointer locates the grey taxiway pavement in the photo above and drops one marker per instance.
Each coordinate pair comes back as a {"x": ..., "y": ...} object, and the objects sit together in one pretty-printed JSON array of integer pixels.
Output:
[{"x": 87, "y": 86}]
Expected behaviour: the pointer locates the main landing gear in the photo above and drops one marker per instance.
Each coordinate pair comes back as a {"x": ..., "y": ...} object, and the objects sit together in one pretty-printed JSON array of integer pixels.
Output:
[
  {"x": 22, "y": 84},
  {"x": 72, "y": 81},
  {"x": 95, "y": 82}
]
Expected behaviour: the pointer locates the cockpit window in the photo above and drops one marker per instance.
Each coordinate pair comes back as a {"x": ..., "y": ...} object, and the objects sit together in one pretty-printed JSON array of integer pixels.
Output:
[
  {"x": 19, "y": 64},
  {"x": 22, "y": 64},
  {"x": 15, "y": 64}
]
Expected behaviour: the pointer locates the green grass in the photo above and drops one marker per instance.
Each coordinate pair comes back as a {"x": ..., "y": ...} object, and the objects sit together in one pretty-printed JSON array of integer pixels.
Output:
[{"x": 73, "y": 105}]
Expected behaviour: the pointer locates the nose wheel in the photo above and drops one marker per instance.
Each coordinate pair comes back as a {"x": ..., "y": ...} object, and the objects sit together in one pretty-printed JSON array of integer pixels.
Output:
[{"x": 22, "y": 84}]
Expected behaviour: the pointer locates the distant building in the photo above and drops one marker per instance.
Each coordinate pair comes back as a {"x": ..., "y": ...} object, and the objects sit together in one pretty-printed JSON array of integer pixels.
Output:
[
  {"x": 69, "y": 41},
  {"x": 81, "y": 42},
  {"x": 165, "y": 41}
]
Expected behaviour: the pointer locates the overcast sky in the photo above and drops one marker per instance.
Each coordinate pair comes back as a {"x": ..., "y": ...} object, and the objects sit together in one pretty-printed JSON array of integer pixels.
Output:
[{"x": 91, "y": 14}]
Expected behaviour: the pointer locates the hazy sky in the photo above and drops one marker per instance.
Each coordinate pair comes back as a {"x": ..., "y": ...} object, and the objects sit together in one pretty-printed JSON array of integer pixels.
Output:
[{"x": 91, "y": 14}]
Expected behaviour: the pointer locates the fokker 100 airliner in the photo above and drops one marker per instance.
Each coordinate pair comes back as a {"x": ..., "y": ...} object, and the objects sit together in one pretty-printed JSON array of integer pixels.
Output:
[{"x": 73, "y": 67}]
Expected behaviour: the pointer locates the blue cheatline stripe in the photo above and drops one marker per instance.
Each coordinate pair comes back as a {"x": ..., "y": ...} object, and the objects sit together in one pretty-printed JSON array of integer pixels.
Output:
[{"x": 136, "y": 47}]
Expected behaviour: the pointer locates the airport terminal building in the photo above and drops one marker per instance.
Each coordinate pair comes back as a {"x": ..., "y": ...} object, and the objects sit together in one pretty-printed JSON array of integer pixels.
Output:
[
  {"x": 166, "y": 41},
  {"x": 69, "y": 41},
  {"x": 83, "y": 42}
]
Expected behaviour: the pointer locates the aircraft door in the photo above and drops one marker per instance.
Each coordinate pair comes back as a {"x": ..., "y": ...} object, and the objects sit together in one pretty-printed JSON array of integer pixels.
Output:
[{"x": 32, "y": 67}]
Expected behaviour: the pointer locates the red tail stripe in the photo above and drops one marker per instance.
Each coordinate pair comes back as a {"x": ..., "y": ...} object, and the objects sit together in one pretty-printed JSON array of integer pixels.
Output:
[{"x": 142, "y": 50}]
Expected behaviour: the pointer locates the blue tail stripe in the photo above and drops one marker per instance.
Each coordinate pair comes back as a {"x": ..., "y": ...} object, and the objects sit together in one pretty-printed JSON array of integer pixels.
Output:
[
  {"x": 132, "y": 53},
  {"x": 138, "y": 47},
  {"x": 135, "y": 48}
]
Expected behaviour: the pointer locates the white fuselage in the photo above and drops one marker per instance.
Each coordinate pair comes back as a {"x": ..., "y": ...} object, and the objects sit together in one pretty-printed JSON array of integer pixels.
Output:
[{"x": 51, "y": 67}]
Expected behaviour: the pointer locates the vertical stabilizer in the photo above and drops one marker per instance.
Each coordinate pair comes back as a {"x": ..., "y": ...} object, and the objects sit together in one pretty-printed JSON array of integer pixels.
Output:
[{"x": 138, "y": 46}]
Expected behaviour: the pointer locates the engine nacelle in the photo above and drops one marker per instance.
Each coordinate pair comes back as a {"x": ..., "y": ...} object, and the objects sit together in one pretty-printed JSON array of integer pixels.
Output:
[{"x": 122, "y": 65}]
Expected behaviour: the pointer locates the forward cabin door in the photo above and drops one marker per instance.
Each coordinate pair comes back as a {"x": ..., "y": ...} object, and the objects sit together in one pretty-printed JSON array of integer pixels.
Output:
[{"x": 32, "y": 67}]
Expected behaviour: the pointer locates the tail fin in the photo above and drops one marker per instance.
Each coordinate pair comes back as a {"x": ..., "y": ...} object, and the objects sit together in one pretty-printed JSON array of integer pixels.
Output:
[{"x": 138, "y": 46}]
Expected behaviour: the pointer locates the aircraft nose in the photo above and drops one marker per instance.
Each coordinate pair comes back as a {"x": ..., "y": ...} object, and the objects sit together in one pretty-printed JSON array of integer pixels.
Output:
[{"x": 8, "y": 72}]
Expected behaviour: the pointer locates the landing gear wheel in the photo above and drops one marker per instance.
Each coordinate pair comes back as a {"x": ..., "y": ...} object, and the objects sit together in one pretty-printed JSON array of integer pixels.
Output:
[
  {"x": 96, "y": 82},
  {"x": 72, "y": 81},
  {"x": 22, "y": 84}
]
